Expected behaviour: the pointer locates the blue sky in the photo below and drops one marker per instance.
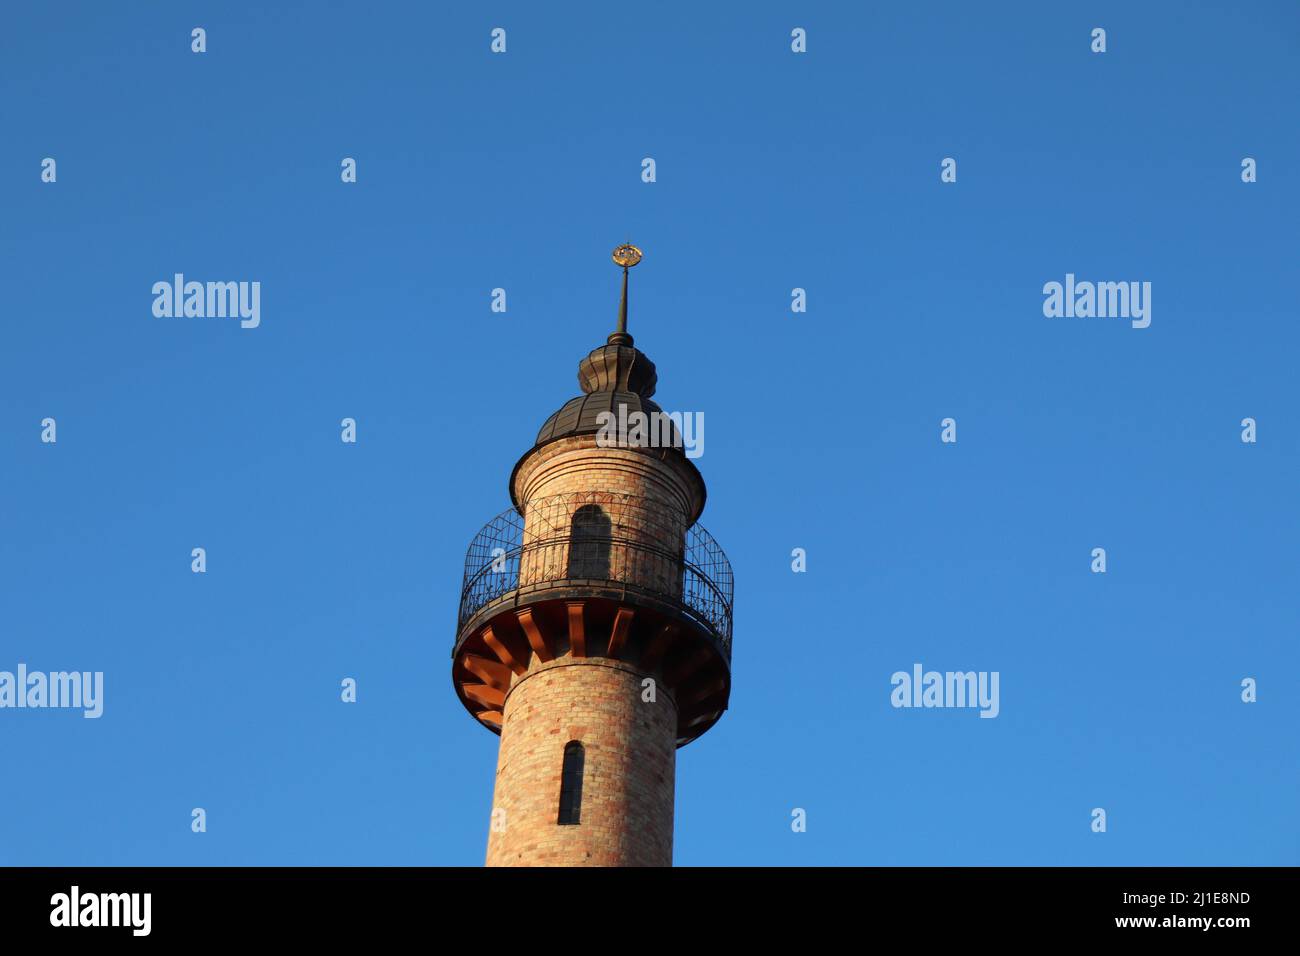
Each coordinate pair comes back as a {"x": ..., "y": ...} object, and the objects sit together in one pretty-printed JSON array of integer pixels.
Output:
[{"x": 774, "y": 171}]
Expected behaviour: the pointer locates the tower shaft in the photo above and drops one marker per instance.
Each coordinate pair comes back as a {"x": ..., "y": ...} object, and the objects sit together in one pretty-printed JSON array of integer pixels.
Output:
[{"x": 625, "y": 815}]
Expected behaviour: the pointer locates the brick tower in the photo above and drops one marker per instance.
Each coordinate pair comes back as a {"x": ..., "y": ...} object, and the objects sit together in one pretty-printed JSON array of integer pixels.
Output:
[{"x": 594, "y": 632}]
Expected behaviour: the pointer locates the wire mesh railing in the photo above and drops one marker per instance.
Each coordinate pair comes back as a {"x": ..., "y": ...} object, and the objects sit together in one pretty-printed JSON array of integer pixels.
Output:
[{"x": 610, "y": 539}]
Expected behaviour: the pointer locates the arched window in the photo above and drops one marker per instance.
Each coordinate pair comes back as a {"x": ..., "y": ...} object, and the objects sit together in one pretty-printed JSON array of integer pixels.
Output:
[
  {"x": 571, "y": 784},
  {"x": 589, "y": 539}
]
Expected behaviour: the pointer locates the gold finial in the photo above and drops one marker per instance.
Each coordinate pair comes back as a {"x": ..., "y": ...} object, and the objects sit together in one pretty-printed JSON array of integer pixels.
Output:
[{"x": 627, "y": 255}]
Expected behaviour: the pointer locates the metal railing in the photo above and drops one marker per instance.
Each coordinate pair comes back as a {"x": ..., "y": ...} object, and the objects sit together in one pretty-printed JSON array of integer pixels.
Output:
[{"x": 605, "y": 539}]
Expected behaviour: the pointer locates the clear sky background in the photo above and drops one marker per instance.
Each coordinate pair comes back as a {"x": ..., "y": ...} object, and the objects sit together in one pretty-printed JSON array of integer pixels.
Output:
[{"x": 775, "y": 171}]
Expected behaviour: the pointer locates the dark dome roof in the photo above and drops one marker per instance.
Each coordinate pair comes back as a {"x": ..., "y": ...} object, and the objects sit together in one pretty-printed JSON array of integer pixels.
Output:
[
  {"x": 613, "y": 375},
  {"x": 580, "y": 416}
]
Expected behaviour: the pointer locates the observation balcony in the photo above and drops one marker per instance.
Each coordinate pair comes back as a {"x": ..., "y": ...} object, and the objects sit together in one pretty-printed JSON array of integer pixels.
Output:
[{"x": 599, "y": 575}]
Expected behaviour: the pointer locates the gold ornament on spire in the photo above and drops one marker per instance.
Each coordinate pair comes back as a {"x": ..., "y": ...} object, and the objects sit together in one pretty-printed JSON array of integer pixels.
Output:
[{"x": 627, "y": 255}]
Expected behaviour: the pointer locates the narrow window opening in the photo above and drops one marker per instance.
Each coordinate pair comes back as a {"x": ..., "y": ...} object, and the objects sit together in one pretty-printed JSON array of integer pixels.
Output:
[
  {"x": 571, "y": 784},
  {"x": 589, "y": 541}
]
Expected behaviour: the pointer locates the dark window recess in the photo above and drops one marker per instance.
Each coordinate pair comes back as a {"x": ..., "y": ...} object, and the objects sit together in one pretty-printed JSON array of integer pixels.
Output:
[
  {"x": 589, "y": 541},
  {"x": 571, "y": 784}
]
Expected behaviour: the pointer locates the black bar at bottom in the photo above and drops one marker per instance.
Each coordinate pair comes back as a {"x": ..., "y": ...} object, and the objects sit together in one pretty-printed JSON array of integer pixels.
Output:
[{"x": 333, "y": 905}]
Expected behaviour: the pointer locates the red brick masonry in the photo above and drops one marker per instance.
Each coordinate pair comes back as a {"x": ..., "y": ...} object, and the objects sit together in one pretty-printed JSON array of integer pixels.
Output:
[{"x": 627, "y": 798}]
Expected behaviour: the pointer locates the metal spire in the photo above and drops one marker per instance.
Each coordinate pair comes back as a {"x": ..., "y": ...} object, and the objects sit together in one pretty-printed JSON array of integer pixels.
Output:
[{"x": 626, "y": 255}]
